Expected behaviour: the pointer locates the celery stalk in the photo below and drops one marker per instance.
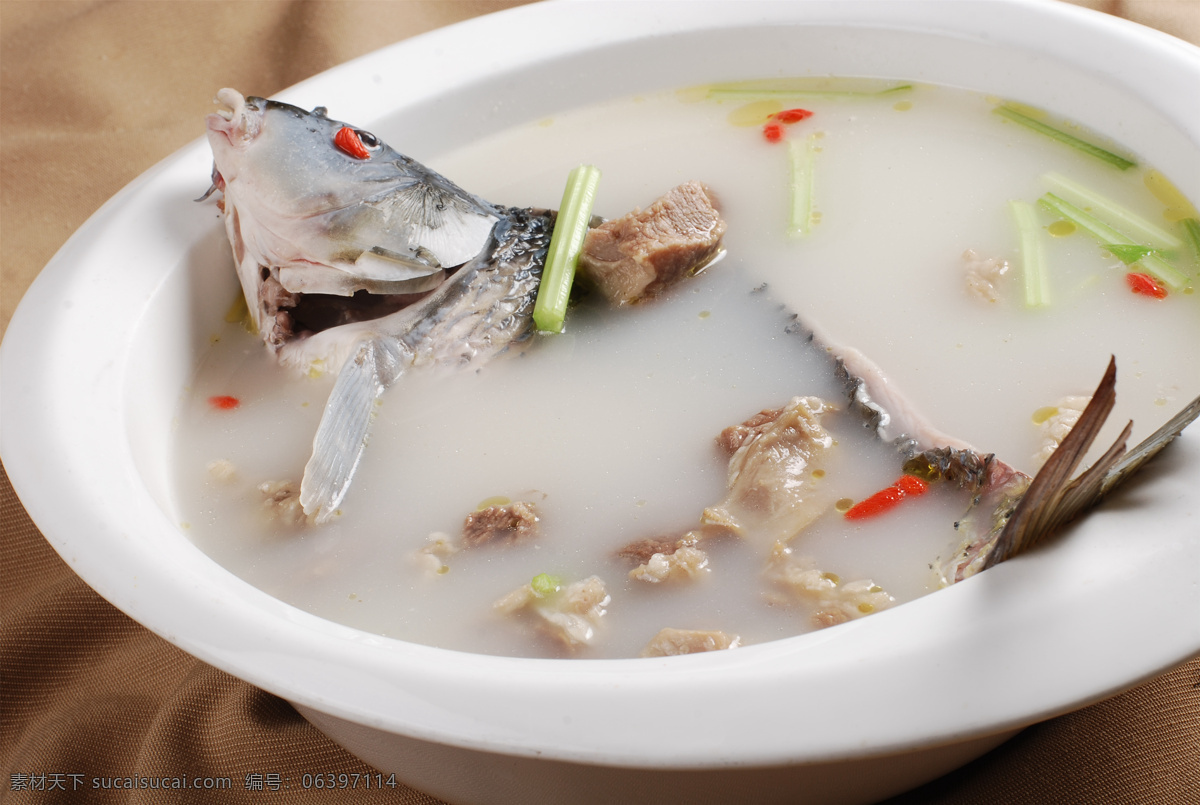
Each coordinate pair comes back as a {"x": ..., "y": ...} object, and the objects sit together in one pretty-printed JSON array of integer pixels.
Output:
[
  {"x": 1033, "y": 263},
  {"x": 801, "y": 156},
  {"x": 1113, "y": 212},
  {"x": 1082, "y": 146},
  {"x": 1155, "y": 265},
  {"x": 795, "y": 88},
  {"x": 566, "y": 243},
  {"x": 1191, "y": 228}
]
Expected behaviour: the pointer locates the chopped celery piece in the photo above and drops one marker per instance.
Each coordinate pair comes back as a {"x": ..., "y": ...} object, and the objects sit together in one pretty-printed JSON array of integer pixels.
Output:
[
  {"x": 1113, "y": 212},
  {"x": 1155, "y": 265},
  {"x": 1033, "y": 263},
  {"x": 544, "y": 585},
  {"x": 1191, "y": 228},
  {"x": 802, "y": 87},
  {"x": 574, "y": 215},
  {"x": 801, "y": 155},
  {"x": 1007, "y": 111},
  {"x": 1128, "y": 254}
]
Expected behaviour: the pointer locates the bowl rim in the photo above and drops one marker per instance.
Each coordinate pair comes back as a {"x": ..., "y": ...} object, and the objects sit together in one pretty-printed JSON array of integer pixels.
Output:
[{"x": 556, "y": 708}]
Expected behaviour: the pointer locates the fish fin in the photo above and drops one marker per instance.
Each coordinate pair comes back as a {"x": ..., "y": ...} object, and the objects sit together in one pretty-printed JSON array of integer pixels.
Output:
[
  {"x": 1149, "y": 447},
  {"x": 1039, "y": 507},
  {"x": 341, "y": 437},
  {"x": 1052, "y": 501}
]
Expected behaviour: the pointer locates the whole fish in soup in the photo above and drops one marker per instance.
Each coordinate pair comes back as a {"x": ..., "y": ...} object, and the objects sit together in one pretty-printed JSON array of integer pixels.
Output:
[{"x": 358, "y": 261}]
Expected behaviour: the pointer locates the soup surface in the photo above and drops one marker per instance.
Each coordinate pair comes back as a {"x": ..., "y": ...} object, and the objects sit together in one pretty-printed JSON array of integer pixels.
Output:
[{"x": 608, "y": 429}]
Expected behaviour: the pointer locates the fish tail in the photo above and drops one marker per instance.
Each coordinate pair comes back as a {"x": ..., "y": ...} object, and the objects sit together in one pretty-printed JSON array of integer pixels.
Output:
[
  {"x": 342, "y": 435},
  {"x": 1053, "y": 499}
]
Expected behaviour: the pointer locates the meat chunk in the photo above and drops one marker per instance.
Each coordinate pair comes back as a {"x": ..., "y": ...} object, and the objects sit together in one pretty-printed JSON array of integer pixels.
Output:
[
  {"x": 635, "y": 257},
  {"x": 836, "y": 601},
  {"x": 570, "y": 614},
  {"x": 643, "y": 549},
  {"x": 281, "y": 501},
  {"x": 512, "y": 523},
  {"x": 983, "y": 275},
  {"x": 734, "y": 436},
  {"x": 670, "y": 642},
  {"x": 684, "y": 562},
  {"x": 776, "y": 479},
  {"x": 1057, "y": 421},
  {"x": 433, "y": 554}
]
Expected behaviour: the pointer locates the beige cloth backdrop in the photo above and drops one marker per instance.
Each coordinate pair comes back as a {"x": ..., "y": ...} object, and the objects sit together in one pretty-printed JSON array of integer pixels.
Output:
[{"x": 93, "y": 94}]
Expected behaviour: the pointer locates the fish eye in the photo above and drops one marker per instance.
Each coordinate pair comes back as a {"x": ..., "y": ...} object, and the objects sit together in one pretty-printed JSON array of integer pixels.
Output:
[
  {"x": 320, "y": 111},
  {"x": 368, "y": 139}
]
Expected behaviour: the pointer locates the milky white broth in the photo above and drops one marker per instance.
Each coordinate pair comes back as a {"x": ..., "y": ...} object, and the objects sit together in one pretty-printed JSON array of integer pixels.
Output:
[{"x": 609, "y": 427}]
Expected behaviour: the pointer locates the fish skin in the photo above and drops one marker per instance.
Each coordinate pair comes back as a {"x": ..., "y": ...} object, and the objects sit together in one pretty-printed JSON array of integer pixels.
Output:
[
  {"x": 1010, "y": 512},
  {"x": 483, "y": 310}
]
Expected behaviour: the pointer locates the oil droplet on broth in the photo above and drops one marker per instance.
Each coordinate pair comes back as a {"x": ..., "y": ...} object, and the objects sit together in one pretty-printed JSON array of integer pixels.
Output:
[
  {"x": 754, "y": 113},
  {"x": 1044, "y": 413},
  {"x": 1060, "y": 229},
  {"x": 495, "y": 500}
]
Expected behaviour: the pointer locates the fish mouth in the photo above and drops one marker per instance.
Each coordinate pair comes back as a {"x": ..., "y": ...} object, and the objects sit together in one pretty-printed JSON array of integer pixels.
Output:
[{"x": 239, "y": 118}]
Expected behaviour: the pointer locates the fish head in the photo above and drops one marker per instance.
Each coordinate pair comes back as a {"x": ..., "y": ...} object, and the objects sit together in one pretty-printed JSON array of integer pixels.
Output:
[
  {"x": 315, "y": 207},
  {"x": 294, "y": 161}
]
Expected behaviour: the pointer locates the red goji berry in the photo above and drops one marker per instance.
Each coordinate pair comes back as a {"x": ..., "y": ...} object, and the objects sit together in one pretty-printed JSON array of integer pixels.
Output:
[
  {"x": 887, "y": 499},
  {"x": 224, "y": 402},
  {"x": 773, "y": 132},
  {"x": 1145, "y": 285},
  {"x": 347, "y": 140},
  {"x": 792, "y": 115}
]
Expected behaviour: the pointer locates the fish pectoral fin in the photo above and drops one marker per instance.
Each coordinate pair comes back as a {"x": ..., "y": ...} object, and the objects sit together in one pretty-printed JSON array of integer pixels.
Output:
[{"x": 341, "y": 437}]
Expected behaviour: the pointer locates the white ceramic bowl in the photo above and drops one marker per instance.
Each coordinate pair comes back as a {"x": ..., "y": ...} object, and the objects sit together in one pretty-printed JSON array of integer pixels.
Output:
[{"x": 96, "y": 356}]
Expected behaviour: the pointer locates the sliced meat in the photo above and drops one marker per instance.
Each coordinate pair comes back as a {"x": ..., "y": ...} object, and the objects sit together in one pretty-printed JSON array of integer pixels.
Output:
[
  {"x": 836, "y": 601},
  {"x": 684, "y": 562},
  {"x": 670, "y": 642},
  {"x": 281, "y": 501},
  {"x": 776, "y": 477},
  {"x": 643, "y": 549},
  {"x": 513, "y": 523},
  {"x": 569, "y": 615},
  {"x": 635, "y": 257},
  {"x": 732, "y": 437}
]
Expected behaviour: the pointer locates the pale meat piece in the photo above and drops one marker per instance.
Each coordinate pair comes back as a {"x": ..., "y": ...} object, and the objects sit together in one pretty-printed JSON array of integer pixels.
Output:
[
  {"x": 512, "y": 524},
  {"x": 570, "y": 615},
  {"x": 635, "y": 257},
  {"x": 641, "y": 550},
  {"x": 281, "y": 501},
  {"x": 836, "y": 601},
  {"x": 683, "y": 563},
  {"x": 776, "y": 476},
  {"x": 983, "y": 275},
  {"x": 1059, "y": 420},
  {"x": 671, "y": 642}
]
